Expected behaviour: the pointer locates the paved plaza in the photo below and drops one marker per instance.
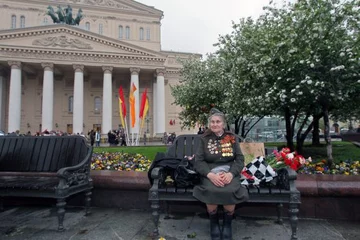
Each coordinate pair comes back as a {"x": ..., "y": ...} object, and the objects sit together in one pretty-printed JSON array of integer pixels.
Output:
[{"x": 40, "y": 223}]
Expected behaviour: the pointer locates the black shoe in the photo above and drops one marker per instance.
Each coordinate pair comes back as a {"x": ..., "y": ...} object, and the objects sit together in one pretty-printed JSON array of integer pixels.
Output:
[
  {"x": 214, "y": 226},
  {"x": 227, "y": 229}
]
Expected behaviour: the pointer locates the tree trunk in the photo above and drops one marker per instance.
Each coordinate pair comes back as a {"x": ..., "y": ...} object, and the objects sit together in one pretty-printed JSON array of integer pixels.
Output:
[
  {"x": 328, "y": 137},
  {"x": 315, "y": 136},
  {"x": 289, "y": 132},
  {"x": 237, "y": 126}
]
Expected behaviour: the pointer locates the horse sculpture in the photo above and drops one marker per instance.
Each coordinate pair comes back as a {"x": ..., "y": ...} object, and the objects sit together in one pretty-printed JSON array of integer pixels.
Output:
[
  {"x": 51, "y": 13},
  {"x": 79, "y": 17},
  {"x": 64, "y": 16},
  {"x": 60, "y": 14}
]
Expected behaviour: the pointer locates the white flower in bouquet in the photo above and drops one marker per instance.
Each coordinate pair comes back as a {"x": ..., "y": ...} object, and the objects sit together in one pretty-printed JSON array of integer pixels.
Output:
[{"x": 290, "y": 155}]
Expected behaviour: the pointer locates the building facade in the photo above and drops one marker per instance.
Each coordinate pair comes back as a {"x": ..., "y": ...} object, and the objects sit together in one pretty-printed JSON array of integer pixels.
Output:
[{"x": 64, "y": 77}]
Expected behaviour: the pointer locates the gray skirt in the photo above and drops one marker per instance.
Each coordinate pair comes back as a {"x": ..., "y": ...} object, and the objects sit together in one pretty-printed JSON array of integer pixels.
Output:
[{"x": 232, "y": 193}]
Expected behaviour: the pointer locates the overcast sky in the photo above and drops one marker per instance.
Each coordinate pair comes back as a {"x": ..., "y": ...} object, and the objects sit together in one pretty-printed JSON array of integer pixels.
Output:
[{"x": 194, "y": 25}]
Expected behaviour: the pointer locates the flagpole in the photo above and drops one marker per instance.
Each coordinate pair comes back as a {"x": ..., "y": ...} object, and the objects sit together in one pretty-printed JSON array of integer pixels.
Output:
[
  {"x": 140, "y": 128},
  {"x": 127, "y": 132},
  {"x": 139, "y": 133}
]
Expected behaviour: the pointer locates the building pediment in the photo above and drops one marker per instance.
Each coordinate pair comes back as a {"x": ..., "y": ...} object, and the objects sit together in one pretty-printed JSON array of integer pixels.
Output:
[
  {"x": 63, "y": 44},
  {"x": 69, "y": 38}
]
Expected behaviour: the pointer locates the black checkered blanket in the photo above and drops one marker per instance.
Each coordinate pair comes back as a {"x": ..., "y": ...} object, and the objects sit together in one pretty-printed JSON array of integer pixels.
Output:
[{"x": 257, "y": 171}]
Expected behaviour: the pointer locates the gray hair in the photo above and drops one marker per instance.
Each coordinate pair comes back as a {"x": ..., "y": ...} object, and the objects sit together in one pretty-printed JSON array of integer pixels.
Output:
[{"x": 217, "y": 114}]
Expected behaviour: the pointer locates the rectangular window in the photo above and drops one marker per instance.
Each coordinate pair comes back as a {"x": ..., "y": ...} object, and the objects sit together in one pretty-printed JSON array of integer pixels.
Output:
[
  {"x": 13, "y": 21},
  {"x": 121, "y": 32},
  {"x": 22, "y": 21},
  {"x": 148, "y": 34},
  {"x": 127, "y": 32},
  {"x": 141, "y": 34}
]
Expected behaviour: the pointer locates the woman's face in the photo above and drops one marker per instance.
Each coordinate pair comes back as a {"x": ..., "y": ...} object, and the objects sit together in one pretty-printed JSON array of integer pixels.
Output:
[{"x": 216, "y": 124}]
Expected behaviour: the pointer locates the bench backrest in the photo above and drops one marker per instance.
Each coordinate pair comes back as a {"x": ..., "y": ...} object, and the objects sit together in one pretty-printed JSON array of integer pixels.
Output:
[
  {"x": 41, "y": 154},
  {"x": 185, "y": 145}
]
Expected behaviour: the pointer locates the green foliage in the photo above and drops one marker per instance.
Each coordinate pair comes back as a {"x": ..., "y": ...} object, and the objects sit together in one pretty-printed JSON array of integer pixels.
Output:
[
  {"x": 341, "y": 150},
  {"x": 148, "y": 151},
  {"x": 296, "y": 60}
]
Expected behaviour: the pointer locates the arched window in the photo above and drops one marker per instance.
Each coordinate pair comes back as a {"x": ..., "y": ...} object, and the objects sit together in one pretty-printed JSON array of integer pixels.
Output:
[
  {"x": 148, "y": 34},
  {"x": 141, "y": 34},
  {"x": 97, "y": 105},
  {"x": 121, "y": 32},
  {"x": 87, "y": 26},
  {"x": 71, "y": 104},
  {"x": 127, "y": 32},
  {"x": 100, "y": 28},
  {"x": 22, "y": 21},
  {"x": 13, "y": 21}
]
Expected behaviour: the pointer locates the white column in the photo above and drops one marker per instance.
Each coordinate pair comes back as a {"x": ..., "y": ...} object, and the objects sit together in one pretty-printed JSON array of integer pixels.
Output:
[
  {"x": 14, "y": 120},
  {"x": 78, "y": 108},
  {"x": 2, "y": 102},
  {"x": 135, "y": 79},
  {"x": 48, "y": 97},
  {"x": 154, "y": 109},
  {"x": 107, "y": 100},
  {"x": 160, "y": 101}
]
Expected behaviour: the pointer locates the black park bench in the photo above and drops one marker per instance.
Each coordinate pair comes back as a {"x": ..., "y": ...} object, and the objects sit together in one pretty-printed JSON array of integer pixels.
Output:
[
  {"x": 283, "y": 192},
  {"x": 45, "y": 167}
]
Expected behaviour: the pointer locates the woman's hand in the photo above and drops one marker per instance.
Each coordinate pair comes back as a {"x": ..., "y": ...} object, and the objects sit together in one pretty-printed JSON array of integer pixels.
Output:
[
  {"x": 216, "y": 179},
  {"x": 226, "y": 178}
]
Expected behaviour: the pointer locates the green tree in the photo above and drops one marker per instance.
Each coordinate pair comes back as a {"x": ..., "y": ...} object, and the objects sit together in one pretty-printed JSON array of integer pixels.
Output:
[{"x": 300, "y": 60}]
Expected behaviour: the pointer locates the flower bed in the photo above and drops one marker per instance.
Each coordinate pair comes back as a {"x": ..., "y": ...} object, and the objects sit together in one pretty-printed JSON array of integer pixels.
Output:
[
  {"x": 343, "y": 168},
  {"x": 119, "y": 161}
]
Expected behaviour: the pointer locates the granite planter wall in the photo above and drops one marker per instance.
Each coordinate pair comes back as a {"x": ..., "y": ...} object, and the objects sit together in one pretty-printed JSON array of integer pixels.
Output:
[{"x": 322, "y": 196}]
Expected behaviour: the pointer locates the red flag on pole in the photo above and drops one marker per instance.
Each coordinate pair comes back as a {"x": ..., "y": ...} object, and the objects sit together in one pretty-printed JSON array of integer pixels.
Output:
[
  {"x": 123, "y": 105},
  {"x": 142, "y": 106}
]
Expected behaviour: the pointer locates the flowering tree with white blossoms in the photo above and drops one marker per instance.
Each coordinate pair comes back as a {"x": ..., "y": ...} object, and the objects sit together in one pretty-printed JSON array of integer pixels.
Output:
[{"x": 299, "y": 60}]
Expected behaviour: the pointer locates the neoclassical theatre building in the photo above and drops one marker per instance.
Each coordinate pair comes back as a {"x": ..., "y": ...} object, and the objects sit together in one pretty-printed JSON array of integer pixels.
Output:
[{"x": 64, "y": 77}]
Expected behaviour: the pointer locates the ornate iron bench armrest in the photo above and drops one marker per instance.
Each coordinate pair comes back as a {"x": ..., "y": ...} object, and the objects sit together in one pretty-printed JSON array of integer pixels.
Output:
[
  {"x": 158, "y": 176},
  {"x": 286, "y": 179},
  {"x": 75, "y": 175}
]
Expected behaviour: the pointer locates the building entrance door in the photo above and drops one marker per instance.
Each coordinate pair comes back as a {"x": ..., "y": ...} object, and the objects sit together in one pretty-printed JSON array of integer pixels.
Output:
[{"x": 69, "y": 128}]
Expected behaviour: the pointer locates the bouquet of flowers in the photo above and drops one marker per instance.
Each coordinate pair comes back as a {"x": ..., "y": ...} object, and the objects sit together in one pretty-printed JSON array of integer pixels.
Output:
[{"x": 286, "y": 158}]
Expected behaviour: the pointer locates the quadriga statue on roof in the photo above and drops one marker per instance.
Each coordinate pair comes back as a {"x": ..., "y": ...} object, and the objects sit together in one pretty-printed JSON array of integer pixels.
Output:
[{"x": 64, "y": 16}]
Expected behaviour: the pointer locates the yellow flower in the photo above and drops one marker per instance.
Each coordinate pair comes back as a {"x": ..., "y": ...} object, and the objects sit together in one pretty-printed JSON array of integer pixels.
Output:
[{"x": 162, "y": 238}]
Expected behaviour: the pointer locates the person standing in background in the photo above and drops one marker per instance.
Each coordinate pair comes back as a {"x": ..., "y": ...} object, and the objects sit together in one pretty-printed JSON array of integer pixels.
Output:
[{"x": 97, "y": 138}]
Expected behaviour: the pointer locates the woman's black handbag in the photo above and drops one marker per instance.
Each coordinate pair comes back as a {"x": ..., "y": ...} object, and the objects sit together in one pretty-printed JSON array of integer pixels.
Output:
[{"x": 185, "y": 174}]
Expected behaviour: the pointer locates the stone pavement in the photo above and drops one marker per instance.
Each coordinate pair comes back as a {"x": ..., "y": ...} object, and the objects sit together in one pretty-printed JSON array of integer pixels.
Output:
[{"x": 40, "y": 223}]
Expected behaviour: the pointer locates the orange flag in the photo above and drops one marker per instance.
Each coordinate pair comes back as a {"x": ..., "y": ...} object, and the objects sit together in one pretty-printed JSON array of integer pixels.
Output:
[
  {"x": 132, "y": 105},
  {"x": 146, "y": 109}
]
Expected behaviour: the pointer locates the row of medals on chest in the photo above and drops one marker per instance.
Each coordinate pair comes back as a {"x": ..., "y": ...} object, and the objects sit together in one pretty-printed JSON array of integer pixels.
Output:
[{"x": 215, "y": 147}]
